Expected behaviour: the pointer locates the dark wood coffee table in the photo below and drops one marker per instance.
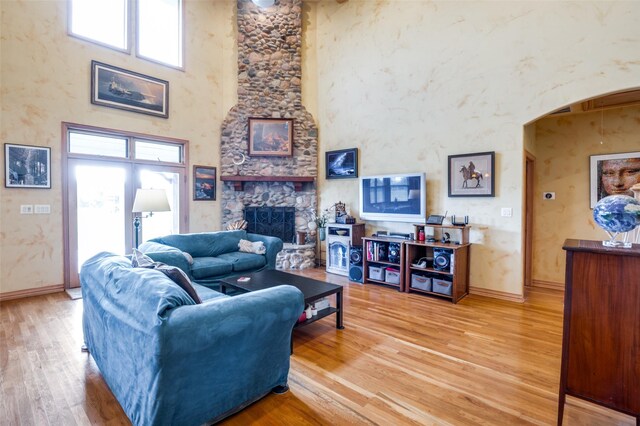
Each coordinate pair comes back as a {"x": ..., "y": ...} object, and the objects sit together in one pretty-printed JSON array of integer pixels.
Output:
[{"x": 312, "y": 290}]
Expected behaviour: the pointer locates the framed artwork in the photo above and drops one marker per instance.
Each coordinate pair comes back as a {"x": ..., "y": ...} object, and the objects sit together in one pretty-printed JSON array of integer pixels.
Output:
[
  {"x": 118, "y": 88},
  {"x": 271, "y": 137},
  {"x": 472, "y": 175},
  {"x": 204, "y": 183},
  {"x": 27, "y": 166},
  {"x": 342, "y": 164},
  {"x": 613, "y": 174}
]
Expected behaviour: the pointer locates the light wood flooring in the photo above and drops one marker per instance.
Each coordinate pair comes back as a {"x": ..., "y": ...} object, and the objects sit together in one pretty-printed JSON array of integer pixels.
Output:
[{"x": 402, "y": 359}]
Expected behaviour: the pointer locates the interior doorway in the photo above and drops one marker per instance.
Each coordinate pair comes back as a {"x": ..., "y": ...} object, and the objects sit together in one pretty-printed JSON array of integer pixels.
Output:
[{"x": 529, "y": 176}]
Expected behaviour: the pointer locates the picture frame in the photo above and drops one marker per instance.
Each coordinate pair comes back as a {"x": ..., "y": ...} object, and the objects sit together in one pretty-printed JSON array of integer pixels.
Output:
[
  {"x": 341, "y": 164},
  {"x": 472, "y": 175},
  {"x": 611, "y": 174},
  {"x": 118, "y": 88},
  {"x": 27, "y": 166},
  {"x": 271, "y": 137},
  {"x": 204, "y": 183}
]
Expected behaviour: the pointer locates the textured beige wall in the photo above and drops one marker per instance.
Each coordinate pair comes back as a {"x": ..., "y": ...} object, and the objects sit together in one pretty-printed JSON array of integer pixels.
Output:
[
  {"x": 564, "y": 145},
  {"x": 407, "y": 82},
  {"x": 410, "y": 82},
  {"x": 45, "y": 80}
]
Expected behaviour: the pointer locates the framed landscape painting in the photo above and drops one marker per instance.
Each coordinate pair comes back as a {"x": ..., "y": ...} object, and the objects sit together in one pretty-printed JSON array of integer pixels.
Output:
[
  {"x": 472, "y": 175},
  {"x": 613, "y": 174},
  {"x": 342, "y": 164},
  {"x": 271, "y": 137},
  {"x": 204, "y": 183},
  {"x": 27, "y": 166},
  {"x": 118, "y": 88}
]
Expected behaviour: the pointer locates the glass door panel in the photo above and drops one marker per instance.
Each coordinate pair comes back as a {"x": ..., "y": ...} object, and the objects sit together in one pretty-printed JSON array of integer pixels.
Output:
[
  {"x": 162, "y": 223},
  {"x": 97, "y": 212}
]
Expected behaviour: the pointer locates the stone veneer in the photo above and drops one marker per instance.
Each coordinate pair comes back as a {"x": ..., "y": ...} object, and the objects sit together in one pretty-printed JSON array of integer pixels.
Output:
[{"x": 269, "y": 86}]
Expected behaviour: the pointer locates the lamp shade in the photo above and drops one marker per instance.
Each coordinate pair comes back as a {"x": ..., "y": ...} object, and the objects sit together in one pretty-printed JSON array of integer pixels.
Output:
[{"x": 150, "y": 200}]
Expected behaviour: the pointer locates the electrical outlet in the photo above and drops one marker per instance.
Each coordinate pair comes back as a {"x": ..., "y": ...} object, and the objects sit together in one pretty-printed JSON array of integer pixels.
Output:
[
  {"x": 26, "y": 209},
  {"x": 549, "y": 195},
  {"x": 506, "y": 212},
  {"x": 42, "y": 209}
]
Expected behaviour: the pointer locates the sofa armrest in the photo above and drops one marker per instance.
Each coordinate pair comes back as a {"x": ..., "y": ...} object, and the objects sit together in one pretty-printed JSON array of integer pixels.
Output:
[
  {"x": 236, "y": 348},
  {"x": 272, "y": 244}
]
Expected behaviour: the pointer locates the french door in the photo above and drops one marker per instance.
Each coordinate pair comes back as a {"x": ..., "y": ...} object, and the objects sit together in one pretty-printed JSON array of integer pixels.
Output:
[{"x": 99, "y": 197}]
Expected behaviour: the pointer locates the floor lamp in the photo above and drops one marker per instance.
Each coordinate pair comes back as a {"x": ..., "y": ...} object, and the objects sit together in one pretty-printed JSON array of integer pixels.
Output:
[{"x": 148, "y": 201}]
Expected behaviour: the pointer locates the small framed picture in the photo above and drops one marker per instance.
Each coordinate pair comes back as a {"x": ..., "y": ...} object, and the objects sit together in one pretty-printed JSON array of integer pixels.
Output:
[
  {"x": 271, "y": 137},
  {"x": 27, "y": 166},
  {"x": 613, "y": 174},
  {"x": 204, "y": 183},
  {"x": 472, "y": 175},
  {"x": 342, "y": 164},
  {"x": 118, "y": 88}
]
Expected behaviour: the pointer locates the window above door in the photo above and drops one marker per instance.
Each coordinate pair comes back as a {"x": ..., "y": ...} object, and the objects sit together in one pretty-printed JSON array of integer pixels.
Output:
[{"x": 155, "y": 27}]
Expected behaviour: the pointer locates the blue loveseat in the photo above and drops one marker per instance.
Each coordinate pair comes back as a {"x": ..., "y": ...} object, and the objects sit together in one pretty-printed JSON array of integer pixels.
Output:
[
  {"x": 212, "y": 256},
  {"x": 170, "y": 361}
]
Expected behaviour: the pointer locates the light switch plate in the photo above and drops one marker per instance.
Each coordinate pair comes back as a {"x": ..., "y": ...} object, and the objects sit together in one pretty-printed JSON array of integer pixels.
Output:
[
  {"x": 26, "y": 209},
  {"x": 506, "y": 212},
  {"x": 42, "y": 209}
]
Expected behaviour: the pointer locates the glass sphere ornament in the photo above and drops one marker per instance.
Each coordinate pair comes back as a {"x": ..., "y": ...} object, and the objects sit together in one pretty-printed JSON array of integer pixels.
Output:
[{"x": 617, "y": 214}]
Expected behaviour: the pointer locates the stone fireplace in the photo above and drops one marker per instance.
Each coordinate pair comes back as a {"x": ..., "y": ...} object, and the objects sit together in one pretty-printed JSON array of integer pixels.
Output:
[{"x": 269, "y": 86}]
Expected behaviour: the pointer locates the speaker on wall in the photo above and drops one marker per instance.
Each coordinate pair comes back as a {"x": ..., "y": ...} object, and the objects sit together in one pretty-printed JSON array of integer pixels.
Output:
[{"x": 356, "y": 273}]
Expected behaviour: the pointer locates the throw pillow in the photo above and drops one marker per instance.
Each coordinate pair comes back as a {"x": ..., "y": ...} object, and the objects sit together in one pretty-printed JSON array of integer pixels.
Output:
[
  {"x": 141, "y": 260},
  {"x": 177, "y": 275},
  {"x": 249, "y": 247}
]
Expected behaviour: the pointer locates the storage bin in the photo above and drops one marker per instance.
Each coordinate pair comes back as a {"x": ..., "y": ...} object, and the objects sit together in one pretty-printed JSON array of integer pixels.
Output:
[
  {"x": 376, "y": 273},
  {"x": 442, "y": 286},
  {"x": 421, "y": 282},
  {"x": 392, "y": 276}
]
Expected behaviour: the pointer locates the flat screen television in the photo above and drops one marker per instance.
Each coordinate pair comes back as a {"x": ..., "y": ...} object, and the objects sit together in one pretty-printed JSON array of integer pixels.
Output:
[{"x": 398, "y": 198}]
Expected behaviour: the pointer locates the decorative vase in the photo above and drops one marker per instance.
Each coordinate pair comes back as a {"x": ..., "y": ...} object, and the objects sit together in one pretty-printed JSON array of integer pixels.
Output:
[{"x": 322, "y": 233}]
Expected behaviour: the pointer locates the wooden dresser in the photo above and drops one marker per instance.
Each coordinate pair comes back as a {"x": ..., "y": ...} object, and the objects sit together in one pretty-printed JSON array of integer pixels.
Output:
[{"x": 601, "y": 337}]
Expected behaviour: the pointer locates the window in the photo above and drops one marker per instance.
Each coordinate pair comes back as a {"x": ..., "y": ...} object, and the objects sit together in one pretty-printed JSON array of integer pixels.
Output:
[
  {"x": 160, "y": 31},
  {"x": 158, "y": 35},
  {"x": 84, "y": 143},
  {"x": 102, "y": 21},
  {"x": 158, "y": 151}
]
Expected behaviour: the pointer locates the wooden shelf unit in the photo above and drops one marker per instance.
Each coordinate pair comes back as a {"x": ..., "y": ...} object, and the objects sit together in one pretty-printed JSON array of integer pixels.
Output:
[
  {"x": 462, "y": 230},
  {"x": 457, "y": 273},
  {"x": 383, "y": 262}
]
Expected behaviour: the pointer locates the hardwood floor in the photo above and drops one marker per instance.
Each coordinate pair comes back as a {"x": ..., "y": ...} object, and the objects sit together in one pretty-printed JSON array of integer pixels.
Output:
[{"x": 402, "y": 359}]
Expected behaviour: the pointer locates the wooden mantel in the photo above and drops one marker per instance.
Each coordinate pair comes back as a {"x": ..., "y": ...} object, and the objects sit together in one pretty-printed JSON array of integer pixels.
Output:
[{"x": 238, "y": 181}]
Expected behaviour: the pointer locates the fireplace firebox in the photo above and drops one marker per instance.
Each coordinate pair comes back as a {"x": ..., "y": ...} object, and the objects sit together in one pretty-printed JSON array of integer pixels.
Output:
[{"x": 272, "y": 221}]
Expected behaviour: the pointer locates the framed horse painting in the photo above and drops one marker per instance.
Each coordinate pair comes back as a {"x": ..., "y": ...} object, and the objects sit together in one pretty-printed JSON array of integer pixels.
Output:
[{"x": 472, "y": 175}]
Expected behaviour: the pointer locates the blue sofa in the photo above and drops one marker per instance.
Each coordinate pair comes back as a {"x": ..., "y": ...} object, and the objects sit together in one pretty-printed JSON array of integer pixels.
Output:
[
  {"x": 170, "y": 361},
  {"x": 212, "y": 256}
]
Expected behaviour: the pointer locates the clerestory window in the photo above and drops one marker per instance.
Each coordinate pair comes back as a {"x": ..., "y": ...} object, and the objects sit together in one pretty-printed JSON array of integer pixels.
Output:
[{"x": 156, "y": 26}]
